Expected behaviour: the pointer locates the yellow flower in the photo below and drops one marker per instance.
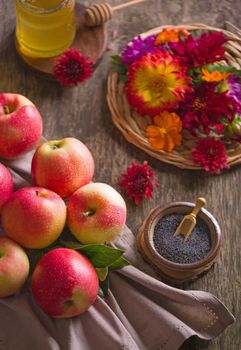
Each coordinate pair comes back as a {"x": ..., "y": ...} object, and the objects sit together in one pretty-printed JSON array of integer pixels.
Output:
[
  {"x": 169, "y": 34},
  {"x": 165, "y": 134},
  {"x": 213, "y": 76},
  {"x": 156, "y": 83}
]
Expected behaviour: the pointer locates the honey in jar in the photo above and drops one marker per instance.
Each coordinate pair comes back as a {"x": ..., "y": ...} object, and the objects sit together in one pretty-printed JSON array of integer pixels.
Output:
[{"x": 44, "y": 28}]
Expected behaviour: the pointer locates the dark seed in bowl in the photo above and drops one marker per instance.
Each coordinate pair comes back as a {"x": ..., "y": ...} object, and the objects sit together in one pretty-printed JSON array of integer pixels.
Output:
[{"x": 175, "y": 249}]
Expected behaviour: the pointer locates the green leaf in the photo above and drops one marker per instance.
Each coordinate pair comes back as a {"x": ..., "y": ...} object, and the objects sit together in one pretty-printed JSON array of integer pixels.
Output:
[
  {"x": 100, "y": 293},
  {"x": 118, "y": 264},
  {"x": 100, "y": 255},
  {"x": 123, "y": 78},
  {"x": 222, "y": 68},
  {"x": 116, "y": 59},
  {"x": 102, "y": 273},
  {"x": 103, "y": 288},
  {"x": 119, "y": 68},
  {"x": 197, "y": 33}
]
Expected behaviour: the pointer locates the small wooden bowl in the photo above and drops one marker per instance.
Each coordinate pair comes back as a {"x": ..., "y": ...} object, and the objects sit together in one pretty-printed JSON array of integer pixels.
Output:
[{"x": 169, "y": 270}]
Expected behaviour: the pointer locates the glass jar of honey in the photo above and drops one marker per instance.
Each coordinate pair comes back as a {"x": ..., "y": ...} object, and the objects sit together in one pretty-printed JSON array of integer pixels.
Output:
[{"x": 44, "y": 28}]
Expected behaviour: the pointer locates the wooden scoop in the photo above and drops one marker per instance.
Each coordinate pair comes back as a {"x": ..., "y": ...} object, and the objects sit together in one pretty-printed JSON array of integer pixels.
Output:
[
  {"x": 189, "y": 221},
  {"x": 98, "y": 14}
]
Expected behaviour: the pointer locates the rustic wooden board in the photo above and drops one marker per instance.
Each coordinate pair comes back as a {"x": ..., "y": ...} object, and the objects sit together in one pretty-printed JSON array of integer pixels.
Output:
[{"x": 82, "y": 112}]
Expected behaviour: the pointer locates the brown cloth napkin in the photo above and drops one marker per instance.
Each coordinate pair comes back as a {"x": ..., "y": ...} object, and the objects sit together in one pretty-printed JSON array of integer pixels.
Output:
[{"x": 140, "y": 313}]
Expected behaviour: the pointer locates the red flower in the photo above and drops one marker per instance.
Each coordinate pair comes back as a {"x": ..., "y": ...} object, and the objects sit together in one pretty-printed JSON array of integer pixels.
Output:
[
  {"x": 72, "y": 68},
  {"x": 156, "y": 82},
  {"x": 207, "y": 48},
  {"x": 138, "y": 181},
  {"x": 205, "y": 108},
  {"x": 211, "y": 155}
]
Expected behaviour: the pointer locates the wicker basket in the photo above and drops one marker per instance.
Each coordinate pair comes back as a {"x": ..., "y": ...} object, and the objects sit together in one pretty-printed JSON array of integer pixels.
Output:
[{"x": 133, "y": 126}]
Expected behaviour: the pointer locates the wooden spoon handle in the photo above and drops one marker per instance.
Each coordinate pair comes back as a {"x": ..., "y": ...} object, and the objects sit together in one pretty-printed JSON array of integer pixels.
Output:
[
  {"x": 199, "y": 204},
  {"x": 127, "y": 4}
]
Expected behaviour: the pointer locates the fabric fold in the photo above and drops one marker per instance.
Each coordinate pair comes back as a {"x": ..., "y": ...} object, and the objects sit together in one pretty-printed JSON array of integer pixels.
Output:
[{"x": 140, "y": 312}]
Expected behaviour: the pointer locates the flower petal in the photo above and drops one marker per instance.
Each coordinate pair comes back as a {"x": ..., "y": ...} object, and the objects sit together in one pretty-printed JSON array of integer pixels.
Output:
[
  {"x": 158, "y": 142},
  {"x": 169, "y": 144},
  {"x": 152, "y": 131}
]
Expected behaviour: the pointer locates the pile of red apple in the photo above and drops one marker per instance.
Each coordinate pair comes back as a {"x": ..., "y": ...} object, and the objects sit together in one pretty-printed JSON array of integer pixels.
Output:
[{"x": 64, "y": 282}]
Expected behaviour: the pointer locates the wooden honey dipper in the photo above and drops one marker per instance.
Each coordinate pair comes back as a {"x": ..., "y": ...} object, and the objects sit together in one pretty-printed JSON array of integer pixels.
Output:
[{"x": 98, "y": 14}]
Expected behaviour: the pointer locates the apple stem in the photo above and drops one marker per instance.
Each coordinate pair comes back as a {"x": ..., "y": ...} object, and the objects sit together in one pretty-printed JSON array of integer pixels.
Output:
[
  {"x": 55, "y": 145},
  {"x": 41, "y": 194},
  {"x": 6, "y": 109},
  {"x": 69, "y": 303},
  {"x": 88, "y": 213}
]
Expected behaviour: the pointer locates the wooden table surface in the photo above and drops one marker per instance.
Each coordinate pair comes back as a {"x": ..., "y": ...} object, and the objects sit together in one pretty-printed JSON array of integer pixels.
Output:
[{"x": 82, "y": 112}]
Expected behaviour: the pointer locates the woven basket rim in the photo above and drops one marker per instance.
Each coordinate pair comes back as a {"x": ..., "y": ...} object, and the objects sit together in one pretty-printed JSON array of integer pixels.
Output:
[{"x": 131, "y": 125}]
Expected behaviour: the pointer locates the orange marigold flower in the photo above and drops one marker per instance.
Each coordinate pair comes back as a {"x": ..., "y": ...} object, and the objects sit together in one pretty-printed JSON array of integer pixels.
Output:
[
  {"x": 213, "y": 76},
  {"x": 169, "y": 34},
  {"x": 165, "y": 134}
]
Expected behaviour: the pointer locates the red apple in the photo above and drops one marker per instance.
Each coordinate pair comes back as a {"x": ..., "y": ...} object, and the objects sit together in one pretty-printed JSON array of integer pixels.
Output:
[
  {"x": 14, "y": 267},
  {"x": 6, "y": 184},
  {"x": 34, "y": 217},
  {"x": 20, "y": 125},
  {"x": 64, "y": 283},
  {"x": 96, "y": 213},
  {"x": 63, "y": 166}
]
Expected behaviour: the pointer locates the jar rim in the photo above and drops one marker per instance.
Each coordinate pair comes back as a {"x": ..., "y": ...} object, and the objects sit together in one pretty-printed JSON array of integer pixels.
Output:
[{"x": 41, "y": 10}]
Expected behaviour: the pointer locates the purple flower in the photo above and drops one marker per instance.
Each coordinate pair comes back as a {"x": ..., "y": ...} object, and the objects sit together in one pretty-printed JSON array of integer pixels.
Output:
[
  {"x": 234, "y": 87},
  {"x": 137, "y": 48}
]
